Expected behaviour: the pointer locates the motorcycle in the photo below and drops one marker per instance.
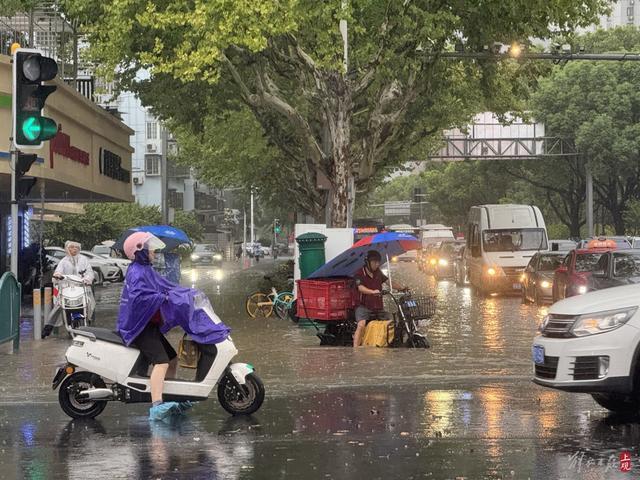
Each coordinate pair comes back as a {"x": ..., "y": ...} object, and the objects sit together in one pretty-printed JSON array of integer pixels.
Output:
[
  {"x": 100, "y": 368},
  {"x": 73, "y": 306}
]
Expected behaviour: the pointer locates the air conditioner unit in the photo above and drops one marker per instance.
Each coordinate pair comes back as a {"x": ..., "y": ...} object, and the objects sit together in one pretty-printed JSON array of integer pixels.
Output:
[
  {"x": 151, "y": 147},
  {"x": 138, "y": 180}
]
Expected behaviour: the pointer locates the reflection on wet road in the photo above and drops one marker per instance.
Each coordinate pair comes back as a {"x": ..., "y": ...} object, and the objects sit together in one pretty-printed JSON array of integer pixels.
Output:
[{"x": 464, "y": 408}]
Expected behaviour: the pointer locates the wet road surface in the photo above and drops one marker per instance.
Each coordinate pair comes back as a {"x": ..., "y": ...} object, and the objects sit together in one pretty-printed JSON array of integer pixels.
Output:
[{"x": 465, "y": 408}]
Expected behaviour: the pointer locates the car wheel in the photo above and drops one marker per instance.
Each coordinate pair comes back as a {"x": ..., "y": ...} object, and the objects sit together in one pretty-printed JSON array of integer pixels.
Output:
[
  {"x": 98, "y": 277},
  {"x": 525, "y": 299},
  {"x": 623, "y": 404}
]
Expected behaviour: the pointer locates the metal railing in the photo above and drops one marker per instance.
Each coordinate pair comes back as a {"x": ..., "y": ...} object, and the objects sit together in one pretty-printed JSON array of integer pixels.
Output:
[{"x": 9, "y": 310}]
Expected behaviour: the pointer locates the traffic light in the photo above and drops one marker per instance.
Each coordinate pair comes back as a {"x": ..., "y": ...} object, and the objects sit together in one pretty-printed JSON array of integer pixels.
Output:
[
  {"x": 417, "y": 195},
  {"x": 276, "y": 226},
  {"x": 24, "y": 184},
  {"x": 30, "y": 69}
]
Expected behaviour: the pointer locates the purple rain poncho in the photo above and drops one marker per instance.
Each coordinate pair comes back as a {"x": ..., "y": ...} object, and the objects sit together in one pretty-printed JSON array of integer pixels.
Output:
[{"x": 145, "y": 292}]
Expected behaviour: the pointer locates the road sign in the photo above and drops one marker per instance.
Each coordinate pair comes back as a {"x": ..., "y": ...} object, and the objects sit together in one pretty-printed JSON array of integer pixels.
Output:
[{"x": 397, "y": 209}]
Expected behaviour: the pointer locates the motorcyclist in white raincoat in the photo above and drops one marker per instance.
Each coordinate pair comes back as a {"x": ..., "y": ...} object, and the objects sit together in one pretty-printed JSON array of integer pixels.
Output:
[{"x": 73, "y": 264}]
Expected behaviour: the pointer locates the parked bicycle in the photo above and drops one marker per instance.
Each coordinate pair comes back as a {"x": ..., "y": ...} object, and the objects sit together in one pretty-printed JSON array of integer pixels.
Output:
[{"x": 262, "y": 305}]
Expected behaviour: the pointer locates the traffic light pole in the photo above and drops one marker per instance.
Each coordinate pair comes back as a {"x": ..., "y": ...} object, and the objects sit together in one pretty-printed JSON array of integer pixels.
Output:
[{"x": 14, "y": 210}]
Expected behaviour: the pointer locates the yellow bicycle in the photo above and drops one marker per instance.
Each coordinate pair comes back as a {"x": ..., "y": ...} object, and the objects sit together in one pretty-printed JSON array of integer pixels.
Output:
[{"x": 262, "y": 305}]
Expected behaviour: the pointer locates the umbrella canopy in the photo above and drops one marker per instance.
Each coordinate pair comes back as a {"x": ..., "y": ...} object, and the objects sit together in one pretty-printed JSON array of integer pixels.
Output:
[
  {"x": 171, "y": 236},
  {"x": 388, "y": 244}
]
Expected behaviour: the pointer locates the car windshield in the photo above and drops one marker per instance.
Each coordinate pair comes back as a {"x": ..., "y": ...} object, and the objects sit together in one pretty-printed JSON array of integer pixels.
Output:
[
  {"x": 205, "y": 248},
  {"x": 626, "y": 265},
  {"x": 587, "y": 262},
  {"x": 514, "y": 240},
  {"x": 549, "y": 263}
]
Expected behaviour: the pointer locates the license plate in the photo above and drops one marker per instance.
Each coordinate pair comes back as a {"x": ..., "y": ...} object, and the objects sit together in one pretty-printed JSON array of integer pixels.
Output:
[
  {"x": 517, "y": 286},
  {"x": 538, "y": 354}
]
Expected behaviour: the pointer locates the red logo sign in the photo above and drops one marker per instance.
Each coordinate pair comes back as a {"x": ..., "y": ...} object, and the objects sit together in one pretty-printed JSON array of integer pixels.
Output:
[
  {"x": 61, "y": 144},
  {"x": 625, "y": 462}
]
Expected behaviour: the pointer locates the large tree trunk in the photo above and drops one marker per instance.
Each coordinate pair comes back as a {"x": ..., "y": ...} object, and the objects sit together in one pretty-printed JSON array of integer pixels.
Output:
[{"x": 339, "y": 123}]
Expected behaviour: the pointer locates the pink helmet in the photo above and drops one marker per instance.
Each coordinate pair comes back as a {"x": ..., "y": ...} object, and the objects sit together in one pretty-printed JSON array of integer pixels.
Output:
[{"x": 139, "y": 240}]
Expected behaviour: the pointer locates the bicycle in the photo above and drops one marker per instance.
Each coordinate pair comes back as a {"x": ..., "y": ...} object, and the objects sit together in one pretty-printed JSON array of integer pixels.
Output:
[{"x": 260, "y": 304}]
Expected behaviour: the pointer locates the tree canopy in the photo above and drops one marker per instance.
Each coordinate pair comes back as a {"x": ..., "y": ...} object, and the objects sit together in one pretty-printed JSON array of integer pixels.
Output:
[
  {"x": 598, "y": 105},
  {"x": 282, "y": 63}
]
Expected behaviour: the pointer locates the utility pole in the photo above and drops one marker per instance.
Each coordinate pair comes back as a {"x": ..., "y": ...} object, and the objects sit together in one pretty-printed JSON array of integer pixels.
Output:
[
  {"x": 14, "y": 210},
  {"x": 244, "y": 234},
  {"x": 589, "y": 178},
  {"x": 253, "y": 238},
  {"x": 163, "y": 177}
]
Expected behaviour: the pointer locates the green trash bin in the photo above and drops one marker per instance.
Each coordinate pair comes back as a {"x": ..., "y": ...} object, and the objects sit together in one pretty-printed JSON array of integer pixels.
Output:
[{"x": 311, "y": 246}]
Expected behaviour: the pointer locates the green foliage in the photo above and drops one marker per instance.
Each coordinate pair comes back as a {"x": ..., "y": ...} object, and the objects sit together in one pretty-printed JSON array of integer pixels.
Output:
[
  {"x": 107, "y": 221},
  {"x": 451, "y": 190},
  {"x": 598, "y": 105},
  {"x": 632, "y": 216},
  {"x": 282, "y": 60},
  {"x": 558, "y": 231},
  {"x": 188, "y": 222},
  {"x": 101, "y": 221}
]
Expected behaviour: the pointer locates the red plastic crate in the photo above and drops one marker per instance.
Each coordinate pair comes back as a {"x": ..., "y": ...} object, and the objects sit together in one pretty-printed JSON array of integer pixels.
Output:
[{"x": 325, "y": 298}]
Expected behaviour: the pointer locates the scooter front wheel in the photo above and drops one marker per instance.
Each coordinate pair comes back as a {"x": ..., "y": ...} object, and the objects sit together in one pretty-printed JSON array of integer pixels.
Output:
[
  {"x": 68, "y": 395},
  {"x": 241, "y": 402}
]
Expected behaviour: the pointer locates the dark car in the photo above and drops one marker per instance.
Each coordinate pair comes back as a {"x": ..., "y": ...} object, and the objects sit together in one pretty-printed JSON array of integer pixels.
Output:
[
  {"x": 446, "y": 255},
  {"x": 537, "y": 279},
  {"x": 615, "y": 269},
  {"x": 206, "y": 254},
  {"x": 572, "y": 277}
]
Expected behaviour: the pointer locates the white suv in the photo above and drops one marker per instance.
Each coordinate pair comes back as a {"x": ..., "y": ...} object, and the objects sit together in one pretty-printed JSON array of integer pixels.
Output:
[{"x": 591, "y": 344}]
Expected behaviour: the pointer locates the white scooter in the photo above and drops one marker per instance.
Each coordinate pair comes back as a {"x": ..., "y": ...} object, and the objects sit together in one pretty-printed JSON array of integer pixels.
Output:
[
  {"x": 101, "y": 368},
  {"x": 73, "y": 305}
]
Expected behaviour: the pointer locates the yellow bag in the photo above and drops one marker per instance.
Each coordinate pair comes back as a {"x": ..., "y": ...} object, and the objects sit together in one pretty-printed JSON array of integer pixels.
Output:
[
  {"x": 378, "y": 333},
  {"x": 188, "y": 353}
]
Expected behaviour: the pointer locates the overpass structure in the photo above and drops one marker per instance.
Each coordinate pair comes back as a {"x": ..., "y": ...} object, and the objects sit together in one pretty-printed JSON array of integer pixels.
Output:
[{"x": 489, "y": 138}]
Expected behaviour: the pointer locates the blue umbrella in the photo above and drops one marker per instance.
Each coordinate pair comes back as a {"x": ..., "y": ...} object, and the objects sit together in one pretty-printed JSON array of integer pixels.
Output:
[
  {"x": 388, "y": 244},
  {"x": 171, "y": 236}
]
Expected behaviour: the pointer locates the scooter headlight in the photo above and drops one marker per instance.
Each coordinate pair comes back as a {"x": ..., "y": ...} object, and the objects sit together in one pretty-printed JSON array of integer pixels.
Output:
[
  {"x": 545, "y": 284},
  {"x": 582, "y": 289},
  {"x": 594, "y": 323},
  {"x": 443, "y": 262}
]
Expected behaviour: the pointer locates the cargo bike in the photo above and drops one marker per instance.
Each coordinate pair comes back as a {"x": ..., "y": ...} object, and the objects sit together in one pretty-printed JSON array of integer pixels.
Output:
[{"x": 329, "y": 306}]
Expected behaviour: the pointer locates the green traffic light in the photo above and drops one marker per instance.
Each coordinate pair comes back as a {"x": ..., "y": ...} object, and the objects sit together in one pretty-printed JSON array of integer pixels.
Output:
[
  {"x": 39, "y": 128},
  {"x": 49, "y": 128},
  {"x": 31, "y": 128}
]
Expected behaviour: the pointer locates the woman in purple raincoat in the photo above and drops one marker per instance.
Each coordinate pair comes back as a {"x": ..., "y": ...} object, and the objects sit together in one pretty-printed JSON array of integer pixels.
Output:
[{"x": 150, "y": 306}]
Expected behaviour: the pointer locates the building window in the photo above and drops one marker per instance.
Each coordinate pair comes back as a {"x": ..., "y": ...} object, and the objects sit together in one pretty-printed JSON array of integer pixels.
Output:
[
  {"x": 152, "y": 130},
  {"x": 152, "y": 165}
]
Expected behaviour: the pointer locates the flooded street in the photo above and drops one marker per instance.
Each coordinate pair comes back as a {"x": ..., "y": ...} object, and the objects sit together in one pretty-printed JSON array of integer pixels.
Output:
[{"x": 466, "y": 408}]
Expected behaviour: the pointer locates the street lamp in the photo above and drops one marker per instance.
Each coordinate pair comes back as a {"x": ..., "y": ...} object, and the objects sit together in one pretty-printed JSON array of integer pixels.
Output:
[{"x": 515, "y": 50}]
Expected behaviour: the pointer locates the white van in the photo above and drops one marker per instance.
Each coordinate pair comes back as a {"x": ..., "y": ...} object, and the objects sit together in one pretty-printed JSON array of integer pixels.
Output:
[
  {"x": 501, "y": 239},
  {"x": 435, "y": 233}
]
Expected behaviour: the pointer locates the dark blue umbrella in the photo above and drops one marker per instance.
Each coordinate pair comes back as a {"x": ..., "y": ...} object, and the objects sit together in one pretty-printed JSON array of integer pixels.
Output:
[
  {"x": 388, "y": 244},
  {"x": 171, "y": 236}
]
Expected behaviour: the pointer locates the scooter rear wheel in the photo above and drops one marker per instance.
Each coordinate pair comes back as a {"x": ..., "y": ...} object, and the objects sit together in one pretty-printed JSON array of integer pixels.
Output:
[
  {"x": 241, "y": 403},
  {"x": 75, "y": 407}
]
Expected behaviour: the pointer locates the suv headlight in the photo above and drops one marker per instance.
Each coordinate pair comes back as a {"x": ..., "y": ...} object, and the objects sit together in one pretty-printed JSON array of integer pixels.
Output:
[{"x": 593, "y": 323}]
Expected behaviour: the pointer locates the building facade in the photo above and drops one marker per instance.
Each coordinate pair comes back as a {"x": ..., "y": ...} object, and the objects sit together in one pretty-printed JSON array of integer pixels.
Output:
[{"x": 89, "y": 160}]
